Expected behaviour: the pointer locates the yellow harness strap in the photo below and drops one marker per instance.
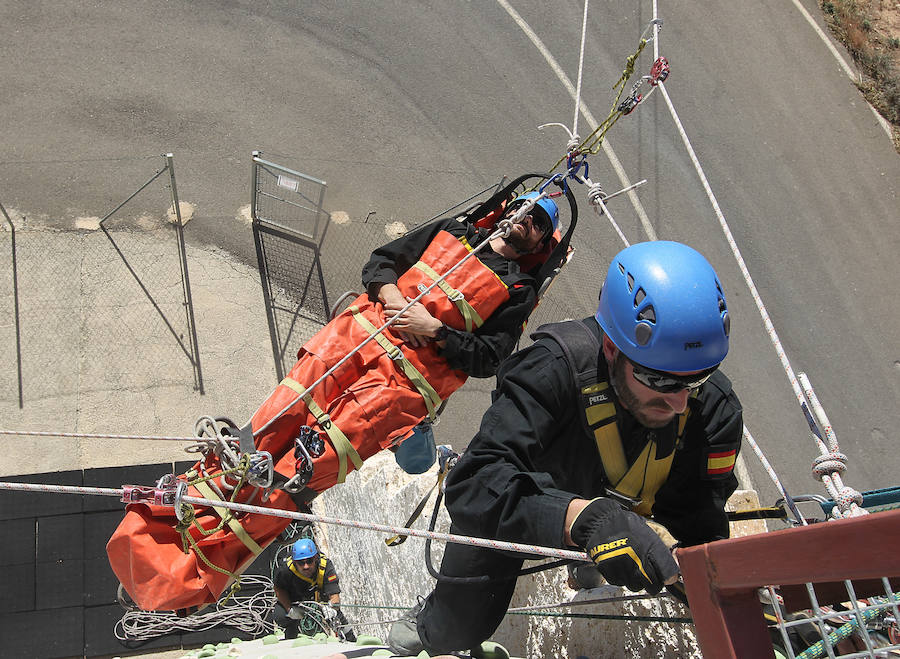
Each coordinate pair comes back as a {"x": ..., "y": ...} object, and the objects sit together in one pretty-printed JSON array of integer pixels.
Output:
[
  {"x": 224, "y": 513},
  {"x": 342, "y": 446},
  {"x": 647, "y": 473},
  {"x": 318, "y": 582},
  {"x": 432, "y": 400},
  {"x": 470, "y": 316}
]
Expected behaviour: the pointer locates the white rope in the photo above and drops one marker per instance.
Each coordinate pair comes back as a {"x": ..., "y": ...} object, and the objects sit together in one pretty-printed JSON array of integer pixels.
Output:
[
  {"x": 829, "y": 466},
  {"x": 306, "y": 517},
  {"x": 75, "y": 435},
  {"x": 244, "y": 611},
  {"x": 580, "y": 73},
  {"x": 726, "y": 230}
]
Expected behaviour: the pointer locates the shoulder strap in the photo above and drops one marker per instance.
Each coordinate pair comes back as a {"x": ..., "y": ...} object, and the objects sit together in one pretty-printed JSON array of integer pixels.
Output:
[{"x": 581, "y": 349}]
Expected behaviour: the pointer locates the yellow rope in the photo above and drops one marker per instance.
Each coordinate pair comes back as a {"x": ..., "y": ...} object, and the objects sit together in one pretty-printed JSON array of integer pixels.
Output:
[
  {"x": 189, "y": 519},
  {"x": 614, "y": 113}
]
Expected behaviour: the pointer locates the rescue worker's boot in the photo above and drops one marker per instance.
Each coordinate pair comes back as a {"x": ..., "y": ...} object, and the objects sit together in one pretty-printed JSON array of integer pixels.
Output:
[{"x": 403, "y": 638}]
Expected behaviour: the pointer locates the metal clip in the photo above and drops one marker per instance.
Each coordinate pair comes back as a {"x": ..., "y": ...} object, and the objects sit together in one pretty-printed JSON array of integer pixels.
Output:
[
  {"x": 168, "y": 492},
  {"x": 262, "y": 469},
  {"x": 629, "y": 104},
  {"x": 307, "y": 446},
  {"x": 447, "y": 458},
  {"x": 627, "y": 501}
]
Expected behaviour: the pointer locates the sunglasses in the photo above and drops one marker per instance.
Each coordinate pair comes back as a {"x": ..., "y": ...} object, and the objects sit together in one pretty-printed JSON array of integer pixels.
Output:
[
  {"x": 305, "y": 561},
  {"x": 669, "y": 383}
]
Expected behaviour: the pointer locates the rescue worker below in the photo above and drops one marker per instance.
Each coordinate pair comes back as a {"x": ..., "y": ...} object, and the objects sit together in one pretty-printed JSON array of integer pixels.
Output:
[
  {"x": 308, "y": 576},
  {"x": 616, "y": 434}
]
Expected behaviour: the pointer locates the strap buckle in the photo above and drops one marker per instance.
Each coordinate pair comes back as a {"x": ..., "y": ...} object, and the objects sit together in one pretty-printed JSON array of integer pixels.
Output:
[{"x": 627, "y": 501}]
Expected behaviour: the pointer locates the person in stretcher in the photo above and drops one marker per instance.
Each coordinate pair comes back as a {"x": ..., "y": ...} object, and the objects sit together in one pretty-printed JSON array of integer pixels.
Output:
[{"x": 373, "y": 400}]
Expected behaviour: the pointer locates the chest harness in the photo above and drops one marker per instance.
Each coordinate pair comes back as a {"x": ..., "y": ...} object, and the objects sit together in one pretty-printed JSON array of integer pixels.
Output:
[
  {"x": 318, "y": 581},
  {"x": 636, "y": 484}
]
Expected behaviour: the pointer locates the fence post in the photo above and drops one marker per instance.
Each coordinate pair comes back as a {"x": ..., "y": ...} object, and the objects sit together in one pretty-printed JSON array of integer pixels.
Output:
[
  {"x": 185, "y": 278},
  {"x": 15, "y": 277}
]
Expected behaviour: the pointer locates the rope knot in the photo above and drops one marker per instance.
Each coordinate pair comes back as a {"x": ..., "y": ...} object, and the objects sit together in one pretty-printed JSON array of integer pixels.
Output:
[{"x": 828, "y": 464}]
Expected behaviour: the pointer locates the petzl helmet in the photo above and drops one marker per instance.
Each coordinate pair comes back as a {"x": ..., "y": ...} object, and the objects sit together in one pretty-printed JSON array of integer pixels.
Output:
[
  {"x": 662, "y": 306},
  {"x": 544, "y": 206},
  {"x": 303, "y": 548}
]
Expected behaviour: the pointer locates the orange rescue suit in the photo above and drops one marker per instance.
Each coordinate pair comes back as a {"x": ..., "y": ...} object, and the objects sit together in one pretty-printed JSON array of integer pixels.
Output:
[{"x": 369, "y": 398}]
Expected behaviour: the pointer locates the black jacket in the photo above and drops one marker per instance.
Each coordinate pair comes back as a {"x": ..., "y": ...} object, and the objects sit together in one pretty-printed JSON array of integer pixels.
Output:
[
  {"x": 478, "y": 353},
  {"x": 531, "y": 456}
]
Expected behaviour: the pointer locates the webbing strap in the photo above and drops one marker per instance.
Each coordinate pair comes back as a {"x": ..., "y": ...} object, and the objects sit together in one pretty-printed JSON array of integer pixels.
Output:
[
  {"x": 224, "y": 513},
  {"x": 319, "y": 581},
  {"x": 342, "y": 446},
  {"x": 646, "y": 474},
  {"x": 470, "y": 316},
  {"x": 432, "y": 400}
]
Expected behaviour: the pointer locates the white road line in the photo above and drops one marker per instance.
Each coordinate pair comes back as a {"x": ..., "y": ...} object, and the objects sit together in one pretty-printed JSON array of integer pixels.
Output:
[
  {"x": 851, "y": 73},
  {"x": 564, "y": 79}
]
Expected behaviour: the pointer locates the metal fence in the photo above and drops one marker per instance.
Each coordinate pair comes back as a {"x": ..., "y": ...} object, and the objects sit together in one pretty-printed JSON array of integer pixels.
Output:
[
  {"x": 106, "y": 305},
  {"x": 837, "y": 592},
  {"x": 289, "y": 225}
]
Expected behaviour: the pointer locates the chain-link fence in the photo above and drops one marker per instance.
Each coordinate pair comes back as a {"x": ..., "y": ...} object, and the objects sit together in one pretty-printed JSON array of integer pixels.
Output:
[{"x": 106, "y": 305}]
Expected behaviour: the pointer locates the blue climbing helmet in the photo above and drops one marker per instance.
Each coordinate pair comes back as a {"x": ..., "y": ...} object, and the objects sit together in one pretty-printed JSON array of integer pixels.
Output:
[
  {"x": 662, "y": 305},
  {"x": 303, "y": 548},
  {"x": 544, "y": 207}
]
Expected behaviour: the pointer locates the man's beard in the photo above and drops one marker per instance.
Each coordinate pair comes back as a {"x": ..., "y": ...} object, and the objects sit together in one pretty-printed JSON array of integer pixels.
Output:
[
  {"x": 632, "y": 403},
  {"x": 520, "y": 245}
]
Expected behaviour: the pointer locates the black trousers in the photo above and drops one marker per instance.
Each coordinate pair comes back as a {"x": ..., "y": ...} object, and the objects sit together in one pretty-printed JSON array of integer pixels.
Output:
[
  {"x": 290, "y": 626},
  {"x": 459, "y": 615}
]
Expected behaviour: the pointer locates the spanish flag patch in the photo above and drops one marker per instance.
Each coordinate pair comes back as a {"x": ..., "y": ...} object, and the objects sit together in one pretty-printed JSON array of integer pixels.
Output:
[
  {"x": 334, "y": 576},
  {"x": 720, "y": 463}
]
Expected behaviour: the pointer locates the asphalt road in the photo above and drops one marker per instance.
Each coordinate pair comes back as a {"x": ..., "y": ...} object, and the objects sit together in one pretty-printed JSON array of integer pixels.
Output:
[{"x": 405, "y": 108}]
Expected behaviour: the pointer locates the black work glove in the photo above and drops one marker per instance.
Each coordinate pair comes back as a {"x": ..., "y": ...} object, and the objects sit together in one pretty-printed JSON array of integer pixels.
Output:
[{"x": 624, "y": 548}]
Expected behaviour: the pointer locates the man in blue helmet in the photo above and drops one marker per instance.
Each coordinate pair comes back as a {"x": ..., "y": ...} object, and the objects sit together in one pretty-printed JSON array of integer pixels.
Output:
[
  {"x": 615, "y": 434},
  {"x": 307, "y": 575}
]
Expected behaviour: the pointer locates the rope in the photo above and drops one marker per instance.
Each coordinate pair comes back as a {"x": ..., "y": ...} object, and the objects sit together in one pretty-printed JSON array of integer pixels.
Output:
[
  {"x": 247, "y": 613},
  {"x": 75, "y": 435},
  {"x": 574, "y": 141},
  {"x": 305, "y": 517},
  {"x": 748, "y": 279},
  {"x": 530, "y": 611}
]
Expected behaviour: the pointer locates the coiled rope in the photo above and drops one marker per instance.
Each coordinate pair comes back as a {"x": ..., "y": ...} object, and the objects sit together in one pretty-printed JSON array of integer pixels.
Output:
[{"x": 244, "y": 612}]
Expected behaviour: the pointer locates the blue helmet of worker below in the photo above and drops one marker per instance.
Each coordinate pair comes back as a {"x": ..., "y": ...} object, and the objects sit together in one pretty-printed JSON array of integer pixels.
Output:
[
  {"x": 544, "y": 207},
  {"x": 303, "y": 548},
  {"x": 662, "y": 306}
]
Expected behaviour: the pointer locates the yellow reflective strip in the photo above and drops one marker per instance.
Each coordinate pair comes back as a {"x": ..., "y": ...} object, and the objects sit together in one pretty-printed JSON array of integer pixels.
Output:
[
  {"x": 432, "y": 400},
  {"x": 719, "y": 463},
  {"x": 611, "y": 453},
  {"x": 596, "y": 413},
  {"x": 624, "y": 551},
  {"x": 208, "y": 493},
  {"x": 293, "y": 568},
  {"x": 470, "y": 316},
  {"x": 465, "y": 243},
  {"x": 342, "y": 446}
]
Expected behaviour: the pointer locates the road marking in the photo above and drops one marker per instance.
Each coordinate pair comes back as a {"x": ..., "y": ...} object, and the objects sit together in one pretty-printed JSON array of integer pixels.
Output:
[
  {"x": 851, "y": 73},
  {"x": 586, "y": 113}
]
